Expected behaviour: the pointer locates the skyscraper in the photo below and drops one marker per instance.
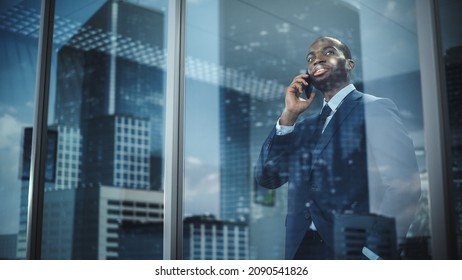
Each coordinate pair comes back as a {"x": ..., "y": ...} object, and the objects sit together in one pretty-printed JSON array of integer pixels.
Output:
[
  {"x": 105, "y": 167},
  {"x": 24, "y": 175},
  {"x": 208, "y": 238},
  {"x": 102, "y": 74},
  {"x": 454, "y": 91},
  {"x": 354, "y": 232}
]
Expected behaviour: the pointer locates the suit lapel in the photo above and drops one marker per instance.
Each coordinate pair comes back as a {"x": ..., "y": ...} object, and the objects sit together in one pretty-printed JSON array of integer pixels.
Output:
[{"x": 345, "y": 109}]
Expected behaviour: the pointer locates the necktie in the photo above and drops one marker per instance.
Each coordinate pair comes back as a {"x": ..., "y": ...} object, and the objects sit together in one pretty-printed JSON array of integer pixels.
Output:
[{"x": 326, "y": 110}]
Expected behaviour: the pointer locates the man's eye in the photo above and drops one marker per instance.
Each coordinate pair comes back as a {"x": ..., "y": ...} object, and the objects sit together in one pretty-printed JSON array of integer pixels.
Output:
[
  {"x": 329, "y": 52},
  {"x": 309, "y": 59}
]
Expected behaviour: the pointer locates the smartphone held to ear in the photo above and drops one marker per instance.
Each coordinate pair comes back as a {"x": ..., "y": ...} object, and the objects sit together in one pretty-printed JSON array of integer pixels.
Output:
[{"x": 309, "y": 89}]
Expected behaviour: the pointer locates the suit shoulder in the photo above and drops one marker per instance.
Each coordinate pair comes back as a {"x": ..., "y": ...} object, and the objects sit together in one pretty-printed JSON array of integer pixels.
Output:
[
  {"x": 369, "y": 98},
  {"x": 372, "y": 102}
]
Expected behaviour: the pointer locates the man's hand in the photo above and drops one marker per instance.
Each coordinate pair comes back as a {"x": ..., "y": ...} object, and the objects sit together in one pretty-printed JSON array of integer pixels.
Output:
[{"x": 295, "y": 104}]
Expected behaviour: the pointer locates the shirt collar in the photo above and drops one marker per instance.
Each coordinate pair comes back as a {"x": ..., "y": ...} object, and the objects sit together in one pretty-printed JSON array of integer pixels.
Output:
[{"x": 337, "y": 99}]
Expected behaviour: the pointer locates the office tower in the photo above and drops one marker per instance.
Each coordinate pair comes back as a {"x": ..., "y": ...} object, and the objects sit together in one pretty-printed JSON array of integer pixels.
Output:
[
  {"x": 207, "y": 238},
  {"x": 24, "y": 175},
  {"x": 353, "y": 232},
  {"x": 135, "y": 240},
  {"x": 454, "y": 91},
  {"x": 234, "y": 151},
  {"x": 117, "y": 152},
  {"x": 416, "y": 248},
  {"x": 100, "y": 224},
  {"x": 111, "y": 88},
  {"x": 250, "y": 102},
  {"x": 101, "y": 76},
  {"x": 8, "y": 246},
  {"x": 104, "y": 168},
  {"x": 68, "y": 157}
]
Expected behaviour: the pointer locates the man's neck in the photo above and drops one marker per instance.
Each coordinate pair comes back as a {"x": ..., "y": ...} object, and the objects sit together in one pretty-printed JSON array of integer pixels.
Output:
[{"x": 329, "y": 93}]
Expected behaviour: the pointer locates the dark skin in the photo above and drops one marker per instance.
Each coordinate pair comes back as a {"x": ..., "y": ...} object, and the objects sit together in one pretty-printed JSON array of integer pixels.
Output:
[{"x": 329, "y": 69}]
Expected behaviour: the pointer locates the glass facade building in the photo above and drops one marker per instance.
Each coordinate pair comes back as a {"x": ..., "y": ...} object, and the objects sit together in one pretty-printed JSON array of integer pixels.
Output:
[
  {"x": 154, "y": 114},
  {"x": 207, "y": 238}
]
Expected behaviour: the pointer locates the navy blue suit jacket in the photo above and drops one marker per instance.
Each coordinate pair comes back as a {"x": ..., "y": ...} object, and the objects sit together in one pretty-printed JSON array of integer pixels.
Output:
[{"x": 364, "y": 162}]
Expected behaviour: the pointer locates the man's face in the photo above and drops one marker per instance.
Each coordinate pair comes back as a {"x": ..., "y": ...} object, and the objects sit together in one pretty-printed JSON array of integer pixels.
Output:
[{"x": 327, "y": 65}]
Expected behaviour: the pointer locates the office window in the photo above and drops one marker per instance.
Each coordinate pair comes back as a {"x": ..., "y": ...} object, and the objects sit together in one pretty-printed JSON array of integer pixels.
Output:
[
  {"x": 451, "y": 47},
  {"x": 18, "y": 53},
  {"x": 237, "y": 70},
  {"x": 107, "y": 87},
  {"x": 104, "y": 162}
]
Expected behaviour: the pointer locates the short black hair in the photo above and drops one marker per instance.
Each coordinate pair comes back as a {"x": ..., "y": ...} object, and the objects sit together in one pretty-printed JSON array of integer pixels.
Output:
[{"x": 342, "y": 46}]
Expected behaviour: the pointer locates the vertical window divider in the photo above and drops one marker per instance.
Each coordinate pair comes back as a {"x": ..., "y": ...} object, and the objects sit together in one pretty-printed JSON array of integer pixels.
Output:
[
  {"x": 435, "y": 131},
  {"x": 174, "y": 126},
  {"x": 39, "y": 132}
]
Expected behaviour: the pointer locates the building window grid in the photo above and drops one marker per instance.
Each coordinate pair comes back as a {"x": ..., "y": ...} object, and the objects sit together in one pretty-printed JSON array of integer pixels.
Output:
[
  {"x": 132, "y": 162},
  {"x": 68, "y": 157}
]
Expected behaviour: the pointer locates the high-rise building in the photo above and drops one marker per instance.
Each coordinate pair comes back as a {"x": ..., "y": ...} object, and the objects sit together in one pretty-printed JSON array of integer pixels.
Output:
[
  {"x": 8, "y": 246},
  {"x": 103, "y": 80},
  {"x": 117, "y": 152},
  {"x": 101, "y": 217},
  {"x": 140, "y": 240},
  {"x": 104, "y": 161},
  {"x": 207, "y": 238},
  {"x": 68, "y": 157},
  {"x": 454, "y": 91},
  {"x": 364, "y": 237},
  {"x": 24, "y": 175}
]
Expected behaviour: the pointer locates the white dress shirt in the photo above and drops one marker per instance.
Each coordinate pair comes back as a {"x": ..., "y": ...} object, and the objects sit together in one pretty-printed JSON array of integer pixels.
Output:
[{"x": 334, "y": 104}]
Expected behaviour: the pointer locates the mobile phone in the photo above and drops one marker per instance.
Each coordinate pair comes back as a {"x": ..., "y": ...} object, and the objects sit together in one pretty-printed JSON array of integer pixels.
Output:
[{"x": 310, "y": 86}]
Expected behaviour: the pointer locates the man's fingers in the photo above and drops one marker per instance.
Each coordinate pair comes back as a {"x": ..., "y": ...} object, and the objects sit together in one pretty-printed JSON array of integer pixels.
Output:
[
  {"x": 299, "y": 85},
  {"x": 301, "y": 79},
  {"x": 311, "y": 98},
  {"x": 296, "y": 88}
]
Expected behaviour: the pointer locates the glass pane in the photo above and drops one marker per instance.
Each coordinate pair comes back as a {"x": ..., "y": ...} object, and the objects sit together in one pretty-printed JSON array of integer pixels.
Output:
[
  {"x": 240, "y": 58},
  {"x": 451, "y": 39},
  {"x": 19, "y": 22},
  {"x": 104, "y": 198}
]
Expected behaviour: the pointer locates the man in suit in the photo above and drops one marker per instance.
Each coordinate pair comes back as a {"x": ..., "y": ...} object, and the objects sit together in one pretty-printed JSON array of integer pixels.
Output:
[{"x": 355, "y": 157}]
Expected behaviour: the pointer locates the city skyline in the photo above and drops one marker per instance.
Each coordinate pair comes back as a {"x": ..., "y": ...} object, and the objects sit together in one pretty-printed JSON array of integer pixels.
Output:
[
  {"x": 207, "y": 77},
  {"x": 195, "y": 154}
]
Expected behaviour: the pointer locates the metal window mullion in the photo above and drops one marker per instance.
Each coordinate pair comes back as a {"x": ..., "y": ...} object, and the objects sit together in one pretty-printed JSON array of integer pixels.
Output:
[
  {"x": 174, "y": 126},
  {"x": 434, "y": 104},
  {"x": 39, "y": 132}
]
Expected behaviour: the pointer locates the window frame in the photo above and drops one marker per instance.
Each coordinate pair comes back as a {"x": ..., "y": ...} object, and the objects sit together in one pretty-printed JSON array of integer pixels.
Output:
[
  {"x": 437, "y": 152},
  {"x": 436, "y": 119}
]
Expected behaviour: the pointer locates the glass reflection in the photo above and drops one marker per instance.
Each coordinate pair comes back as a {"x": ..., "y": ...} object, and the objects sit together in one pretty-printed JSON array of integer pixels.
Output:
[
  {"x": 235, "y": 87},
  {"x": 451, "y": 41},
  {"x": 103, "y": 192},
  {"x": 109, "y": 92},
  {"x": 18, "y": 53}
]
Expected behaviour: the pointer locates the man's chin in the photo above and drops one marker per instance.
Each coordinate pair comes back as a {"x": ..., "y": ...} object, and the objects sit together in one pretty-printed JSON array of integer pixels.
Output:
[
  {"x": 325, "y": 85},
  {"x": 320, "y": 81}
]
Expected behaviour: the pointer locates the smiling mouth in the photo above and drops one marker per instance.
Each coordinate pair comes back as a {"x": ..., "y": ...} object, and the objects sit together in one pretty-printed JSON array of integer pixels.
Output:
[{"x": 319, "y": 72}]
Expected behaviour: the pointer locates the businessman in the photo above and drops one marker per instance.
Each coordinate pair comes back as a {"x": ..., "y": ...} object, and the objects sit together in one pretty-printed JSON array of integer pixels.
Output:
[{"x": 353, "y": 157}]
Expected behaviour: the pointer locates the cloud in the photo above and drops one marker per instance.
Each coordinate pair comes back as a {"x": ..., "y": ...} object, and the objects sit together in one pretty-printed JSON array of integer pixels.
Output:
[
  {"x": 10, "y": 147},
  {"x": 10, "y": 131},
  {"x": 193, "y": 162},
  {"x": 202, "y": 183}
]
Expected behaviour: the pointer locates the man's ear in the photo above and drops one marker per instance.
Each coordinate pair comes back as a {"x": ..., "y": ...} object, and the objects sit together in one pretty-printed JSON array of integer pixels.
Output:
[{"x": 350, "y": 64}]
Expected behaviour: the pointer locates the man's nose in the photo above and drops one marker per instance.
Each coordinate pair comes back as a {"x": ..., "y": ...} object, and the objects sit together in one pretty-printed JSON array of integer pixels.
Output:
[{"x": 319, "y": 59}]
